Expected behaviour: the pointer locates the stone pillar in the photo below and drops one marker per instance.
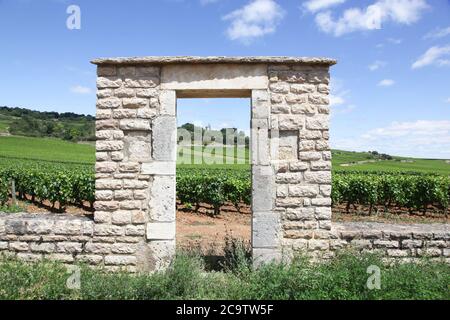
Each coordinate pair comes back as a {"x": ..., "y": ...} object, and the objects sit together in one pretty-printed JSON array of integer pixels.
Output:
[
  {"x": 300, "y": 154},
  {"x": 135, "y": 169},
  {"x": 162, "y": 206},
  {"x": 265, "y": 222}
]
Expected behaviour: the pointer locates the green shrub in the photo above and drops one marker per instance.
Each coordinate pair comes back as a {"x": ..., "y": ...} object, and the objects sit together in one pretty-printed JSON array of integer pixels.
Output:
[{"x": 343, "y": 277}]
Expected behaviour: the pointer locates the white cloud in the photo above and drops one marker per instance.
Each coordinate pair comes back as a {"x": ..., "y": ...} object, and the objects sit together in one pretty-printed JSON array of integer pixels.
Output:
[
  {"x": 377, "y": 65},
  {"x": 336, "y": 100},
  {"x": 438, "y": 33},
  {"x": 317, "y": 5},
  {"x": 417, "y": 128},
  {"x": 372, "y": 17},
  {"x": 256, "y": 19},
  {"x": 386, "y": 83},
  {"x": 80, "y": 89},
  {"x": 421, "y": 138},
  {"x": 448, "y": 100},
  {"x": 439, "y": 56}
]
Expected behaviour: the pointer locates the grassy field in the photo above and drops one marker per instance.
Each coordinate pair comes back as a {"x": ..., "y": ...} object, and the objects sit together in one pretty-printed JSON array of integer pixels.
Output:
[
  {"x": 363, "y": 161},
  {"x": 46, "y": 149},
  {"x": 58, "y": 150}
]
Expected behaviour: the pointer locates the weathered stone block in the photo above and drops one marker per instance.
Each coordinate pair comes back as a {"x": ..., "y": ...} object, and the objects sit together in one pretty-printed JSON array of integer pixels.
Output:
[
  {"x": 108, "y": 184},
  {"x": 120, "y": 260},
  {"x": 303, "y": 191},
  {"x": 69, "y": 247},
  {"x": 318, "y": 245},
  {"x": 41, "y": 226},
  {"x": 260, "y": 104},
  {"x": 160, "y": 230},
  {"x": 108, "y": 82},
  {"x": 18, "y": 246},
  {"x": 164, "y": 138},
  {"x": 135, "y": 124},
  {"x": 262, "y": 188},
  {"x": 105, "y": 167},
  {"x": 260, "y": 146},
  {"x": 134, "y": 103},
  {"x": 42, "y": 247},
  {"x": 318, "y": 122},
  {"x": 168, "y": 102},
  {"x": 321, "y": 177},
  {"x": 163, "y": 199},
  {"x": 109, "y": 145},
  {"x": 265, "y": 230},
  {"x": 121, "y": 217},
  {"x": 303, "y": 88},
  {"x": 159, "y": 168},
  {"x": 263, "y": 256},
  {"x": 147, "y": 82}
]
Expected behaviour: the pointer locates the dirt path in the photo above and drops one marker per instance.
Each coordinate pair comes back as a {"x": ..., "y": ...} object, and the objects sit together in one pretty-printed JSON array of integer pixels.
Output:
[{"x": 209, "y": 233}]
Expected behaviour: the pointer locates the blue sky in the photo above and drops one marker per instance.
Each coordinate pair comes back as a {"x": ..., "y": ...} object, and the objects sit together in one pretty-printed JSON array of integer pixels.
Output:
[{"x": 390, "y": 88}]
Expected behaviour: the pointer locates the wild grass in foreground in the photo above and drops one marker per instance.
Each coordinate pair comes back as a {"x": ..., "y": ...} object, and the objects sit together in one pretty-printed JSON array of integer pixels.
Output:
[{"x": 344, "y": 277}]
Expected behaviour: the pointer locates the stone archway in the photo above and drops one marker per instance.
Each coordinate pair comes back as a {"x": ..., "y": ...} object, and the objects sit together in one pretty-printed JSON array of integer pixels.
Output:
[{"x": 136, "y": 147}]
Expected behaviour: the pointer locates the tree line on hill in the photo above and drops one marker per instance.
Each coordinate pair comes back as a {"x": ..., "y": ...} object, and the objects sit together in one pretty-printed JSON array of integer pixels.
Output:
[
  {"x": 226, "y": 136},
  {"x": 67, "y": 126},
  {"x": 79, "y": 127}
]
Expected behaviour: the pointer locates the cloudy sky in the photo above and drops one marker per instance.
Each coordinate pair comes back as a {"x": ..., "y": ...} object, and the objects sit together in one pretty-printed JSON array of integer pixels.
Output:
[{"x": 390, "y": 89}]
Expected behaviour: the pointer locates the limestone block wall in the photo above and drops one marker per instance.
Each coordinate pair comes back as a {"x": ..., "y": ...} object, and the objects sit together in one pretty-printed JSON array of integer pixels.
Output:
[
  {"x": 301, "y": 157},
  {"x": 394, "y": 241},
  {"x": 135, "y": 169}
]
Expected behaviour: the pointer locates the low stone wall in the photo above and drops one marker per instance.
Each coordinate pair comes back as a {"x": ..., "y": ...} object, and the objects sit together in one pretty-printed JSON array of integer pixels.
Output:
[
  {"x": 72, "y": 239},
  {"x": 67, "y": 239},
  {"x": 394, "y": 240}
]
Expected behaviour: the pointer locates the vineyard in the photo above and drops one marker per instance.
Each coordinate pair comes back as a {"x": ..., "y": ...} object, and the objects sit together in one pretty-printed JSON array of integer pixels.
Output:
[
  {"x": 40, "y": 180},
  {"x": 62, "y": 184}
]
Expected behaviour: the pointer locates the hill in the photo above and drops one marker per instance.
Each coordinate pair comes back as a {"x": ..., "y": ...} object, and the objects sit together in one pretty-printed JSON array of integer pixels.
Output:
[
  {"x": 30, "y": 123},
  {"x": 47, "y": 149},
  {"x": 367, "y": 161}
]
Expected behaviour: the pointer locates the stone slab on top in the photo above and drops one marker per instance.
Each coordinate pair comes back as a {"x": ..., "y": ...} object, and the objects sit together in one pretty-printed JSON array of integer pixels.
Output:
[{"x": 214, "y": 60}]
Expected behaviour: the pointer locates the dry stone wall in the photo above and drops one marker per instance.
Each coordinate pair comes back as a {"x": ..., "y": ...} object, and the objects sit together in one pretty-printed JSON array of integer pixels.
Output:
[{"x": 134, "y": 220}]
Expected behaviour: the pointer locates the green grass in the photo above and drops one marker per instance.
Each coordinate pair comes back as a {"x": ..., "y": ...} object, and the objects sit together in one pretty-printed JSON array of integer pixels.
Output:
[
  {"x": 47, "y": 149},
  {"x": 397, "y": 164},
  {"x": 344, "y": 278},
  {"x": 419, "y": 165},
  {"x": 342, "y": 157}
]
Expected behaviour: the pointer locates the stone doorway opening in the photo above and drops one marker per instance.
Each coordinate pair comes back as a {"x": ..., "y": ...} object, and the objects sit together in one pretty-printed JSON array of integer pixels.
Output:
[{"x": 213, "y": 176}]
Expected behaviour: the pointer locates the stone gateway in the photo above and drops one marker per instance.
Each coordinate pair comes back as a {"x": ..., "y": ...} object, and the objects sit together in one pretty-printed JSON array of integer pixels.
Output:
[
  {"x": 291, "y": 159},
  {"x": 134, "y": 219}
]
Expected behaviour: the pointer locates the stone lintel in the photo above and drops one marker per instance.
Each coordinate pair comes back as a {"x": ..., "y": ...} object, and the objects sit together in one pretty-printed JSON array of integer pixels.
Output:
[{"x": 213, "y": 59}]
